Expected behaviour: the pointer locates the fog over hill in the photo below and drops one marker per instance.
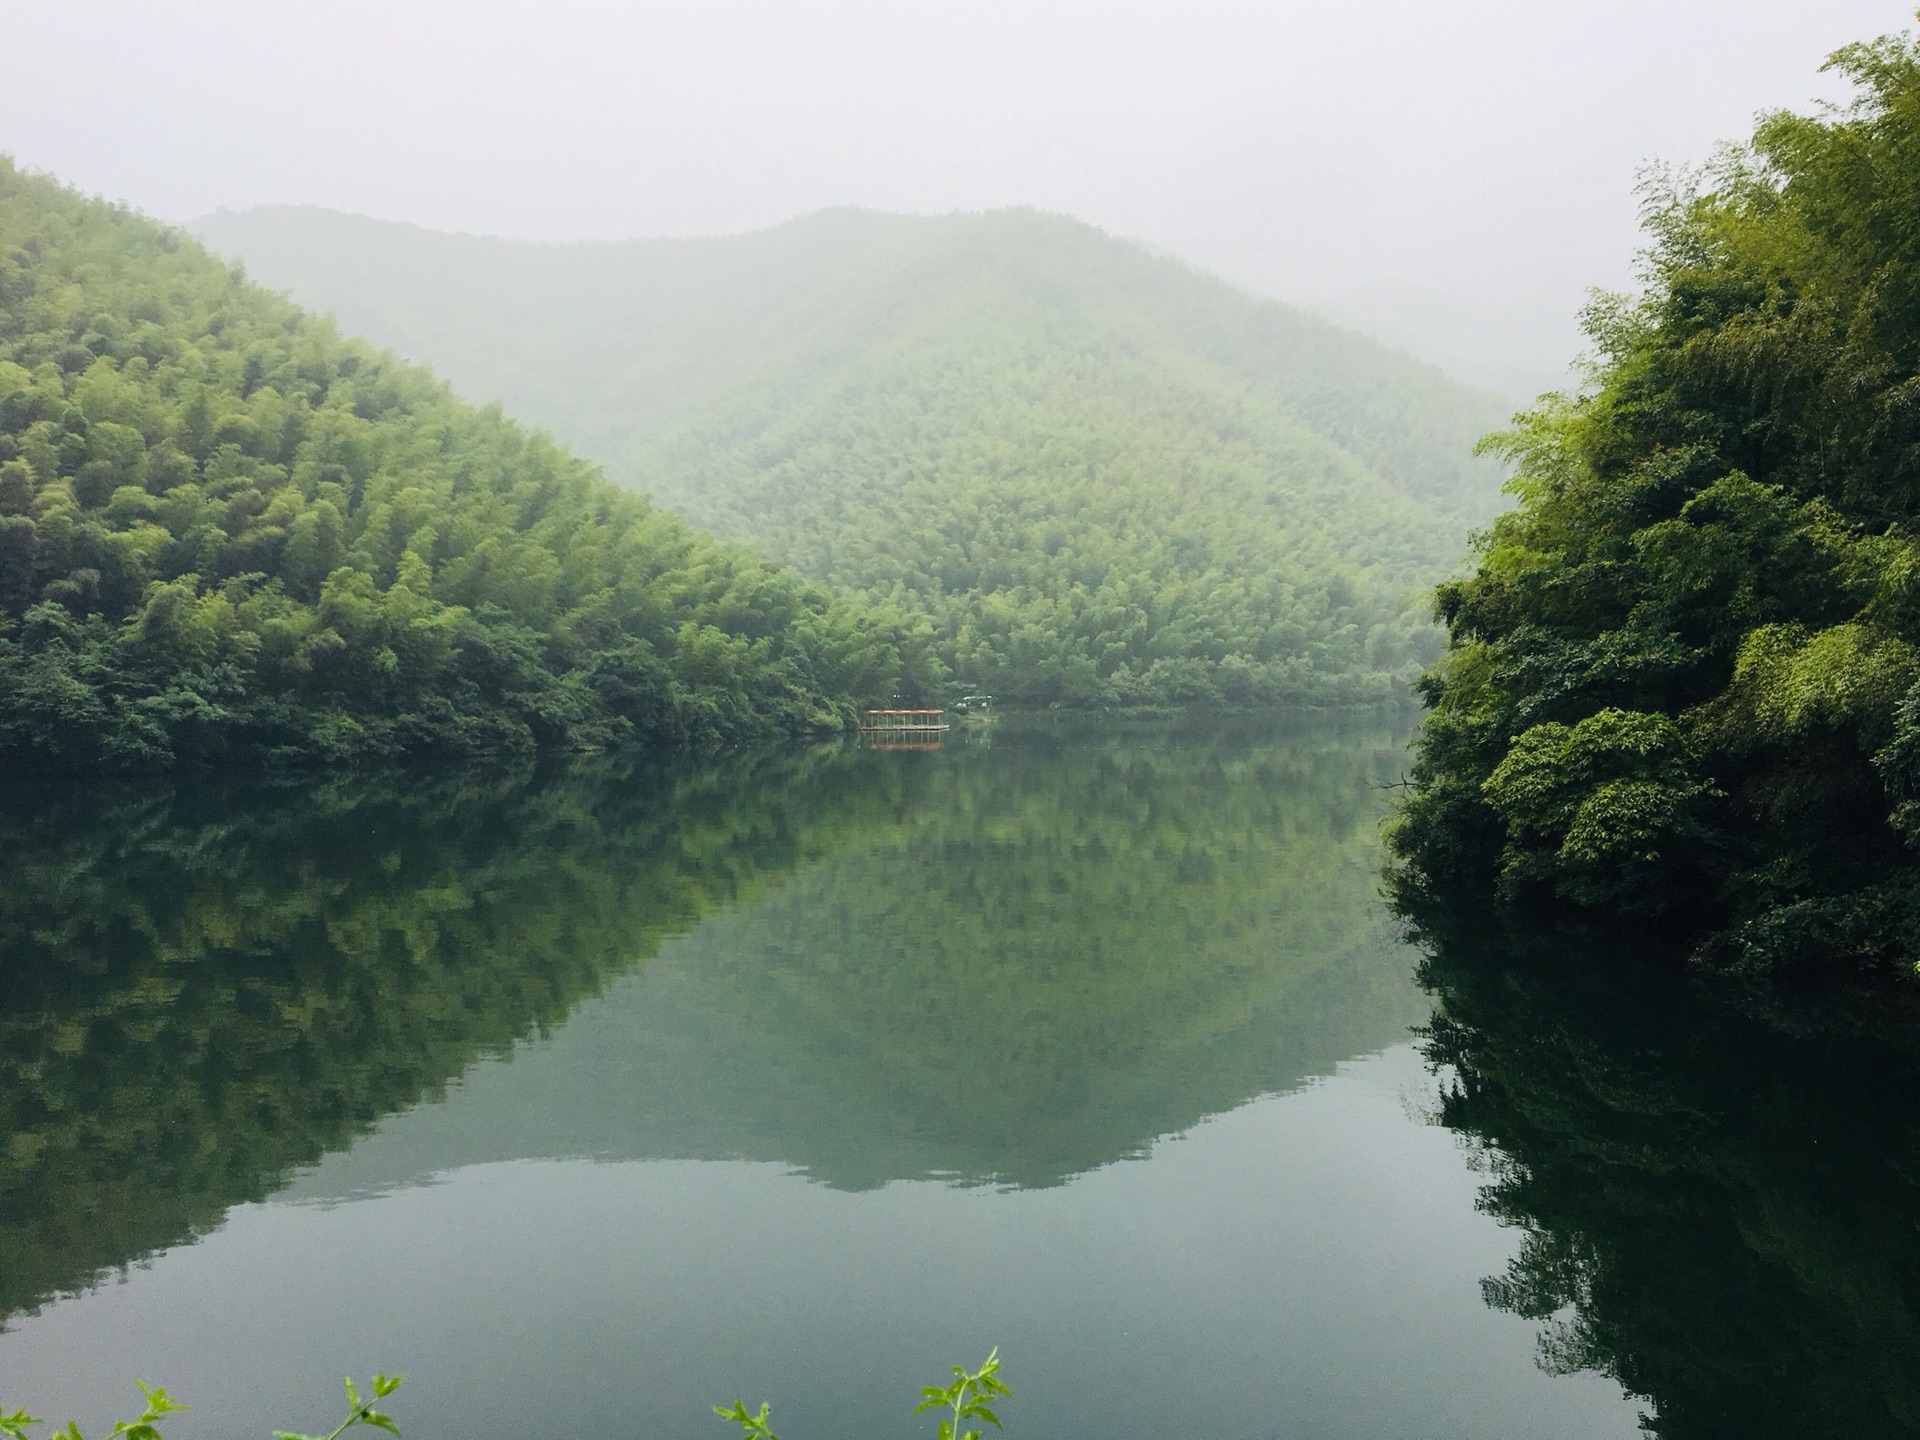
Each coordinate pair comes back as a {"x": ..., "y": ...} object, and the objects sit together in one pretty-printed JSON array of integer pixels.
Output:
[
  {"x": 1499, "y": 343},
  {"x": 1095, "y": 472}
]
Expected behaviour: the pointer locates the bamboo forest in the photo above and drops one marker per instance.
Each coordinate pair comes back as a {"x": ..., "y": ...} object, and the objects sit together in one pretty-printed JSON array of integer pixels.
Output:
[{"x": 834, "y": 722}]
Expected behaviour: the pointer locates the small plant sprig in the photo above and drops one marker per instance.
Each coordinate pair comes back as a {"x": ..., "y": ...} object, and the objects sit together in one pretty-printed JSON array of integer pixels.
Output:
[
  {"x": 360, "y": 1412},
  {"x": 752, "y": 1426},
  {"x": 967, "y": 1397},
  {"x": 14, "y": 1423}
]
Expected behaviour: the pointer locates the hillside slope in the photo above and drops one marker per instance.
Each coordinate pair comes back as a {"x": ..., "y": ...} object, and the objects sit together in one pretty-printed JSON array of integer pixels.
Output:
[
  {"x": 1098, "y": 473},
  {"x": 223, "y": 528}
]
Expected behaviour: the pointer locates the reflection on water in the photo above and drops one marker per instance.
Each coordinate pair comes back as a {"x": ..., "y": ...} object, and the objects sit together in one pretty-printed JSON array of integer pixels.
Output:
[
  {"x": 208, "y": 985},
  {"x": 1040, "y": 959},
  {"x": 623, "y": 1092},
  {"x": 1720, "y": 1214}
]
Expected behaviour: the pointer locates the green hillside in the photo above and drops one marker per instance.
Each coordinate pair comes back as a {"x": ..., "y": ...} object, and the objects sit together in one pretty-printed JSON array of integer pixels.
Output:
[
  {"x": 223, "y": 528},
  {"x": 1100, "y": 475}
]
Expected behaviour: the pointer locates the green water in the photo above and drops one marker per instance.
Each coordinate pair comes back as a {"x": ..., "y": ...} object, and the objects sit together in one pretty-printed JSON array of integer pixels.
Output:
[{"x": 594, "y": 1097}]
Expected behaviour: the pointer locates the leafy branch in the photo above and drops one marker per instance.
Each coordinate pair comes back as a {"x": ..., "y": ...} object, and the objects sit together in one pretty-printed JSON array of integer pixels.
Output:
[
  {"x": 360, "y": 1413},
  {"x": 146, "y": 1426},
  {"x": 966, "y": 1398},
  {"x": 14, "y": 1423},
  {"x": 753, "y": 1426}
]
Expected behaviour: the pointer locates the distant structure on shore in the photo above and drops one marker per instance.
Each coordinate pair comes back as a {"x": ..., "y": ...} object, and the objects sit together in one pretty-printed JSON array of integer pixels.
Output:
[
  {"x": 907, "y": 721},
  {"x": 903, "y": 729}
]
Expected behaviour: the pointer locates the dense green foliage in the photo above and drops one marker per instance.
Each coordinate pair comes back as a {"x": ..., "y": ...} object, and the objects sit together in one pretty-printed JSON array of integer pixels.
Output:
[
  {"x": 222, "y": 527},
  {"x": 1095, "y": 474},
  {"x": 1715, "y": 1213},
  {"x": 1682, "y": 680},
  {"x": 210, "y": 986}
]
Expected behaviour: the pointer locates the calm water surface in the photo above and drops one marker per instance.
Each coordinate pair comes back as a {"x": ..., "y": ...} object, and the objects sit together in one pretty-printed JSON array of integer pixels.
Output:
[{"x": 594, "y": 1098}]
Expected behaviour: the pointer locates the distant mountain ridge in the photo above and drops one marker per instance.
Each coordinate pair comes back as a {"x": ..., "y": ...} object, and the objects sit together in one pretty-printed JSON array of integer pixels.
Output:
[{"x": 1095, "y": 473}]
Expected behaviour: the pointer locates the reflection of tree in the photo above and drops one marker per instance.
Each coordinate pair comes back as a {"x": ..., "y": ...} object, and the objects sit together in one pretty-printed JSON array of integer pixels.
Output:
[
  {"x": 1722, "y": 1215},
  {"x": 1011, "y": 963},
  {"x": 208, "y": 985}
]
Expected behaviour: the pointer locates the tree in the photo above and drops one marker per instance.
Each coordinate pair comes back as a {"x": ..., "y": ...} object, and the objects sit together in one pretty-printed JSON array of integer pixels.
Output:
[{"x": 1681, "y": 679}]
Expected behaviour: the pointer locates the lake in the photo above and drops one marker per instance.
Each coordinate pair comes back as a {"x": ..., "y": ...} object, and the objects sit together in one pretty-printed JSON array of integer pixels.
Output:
[{"x": 593, "y": 1096}]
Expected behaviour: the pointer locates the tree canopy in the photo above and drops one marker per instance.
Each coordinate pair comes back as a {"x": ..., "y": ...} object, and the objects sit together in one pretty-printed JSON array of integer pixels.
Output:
[
  {"x": 1095, "y": 474},
  {"x": 223, "y": 529},
  {"x": 1681, "y": 682}
]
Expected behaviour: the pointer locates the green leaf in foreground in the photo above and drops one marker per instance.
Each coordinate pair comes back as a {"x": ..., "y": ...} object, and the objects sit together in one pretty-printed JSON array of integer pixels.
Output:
[{"x": 965, "y": 1399}]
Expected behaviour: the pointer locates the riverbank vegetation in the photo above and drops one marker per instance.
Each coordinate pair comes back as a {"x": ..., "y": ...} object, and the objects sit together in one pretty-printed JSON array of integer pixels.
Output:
[
  {"x": 1680, "y": 687},
  {"x": 225, "y": 529},
  {"x": 1097, "y": 476}
]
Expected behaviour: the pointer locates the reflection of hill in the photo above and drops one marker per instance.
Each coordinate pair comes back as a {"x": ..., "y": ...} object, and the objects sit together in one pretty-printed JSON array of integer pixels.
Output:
[
  {"x": 1057, "y": 955},
  {"x": 207, "y": 986},
  {"x": 1721, "y": 1215},
  {"x": 1008, "y": 963}
]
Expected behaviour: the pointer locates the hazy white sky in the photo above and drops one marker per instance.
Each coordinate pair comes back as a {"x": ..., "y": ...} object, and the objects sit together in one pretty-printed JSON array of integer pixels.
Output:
[{"x": 1485, "y": 148}]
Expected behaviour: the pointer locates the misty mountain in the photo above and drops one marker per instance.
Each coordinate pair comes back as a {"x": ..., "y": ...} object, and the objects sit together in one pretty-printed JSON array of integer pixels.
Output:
[{"x": 1091, "y": 472}]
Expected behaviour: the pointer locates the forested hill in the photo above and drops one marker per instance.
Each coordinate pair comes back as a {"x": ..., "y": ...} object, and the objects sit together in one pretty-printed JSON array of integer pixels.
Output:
[
  {"x": 223, "y": 528},
  {"x": 1099, "y": 474}
]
